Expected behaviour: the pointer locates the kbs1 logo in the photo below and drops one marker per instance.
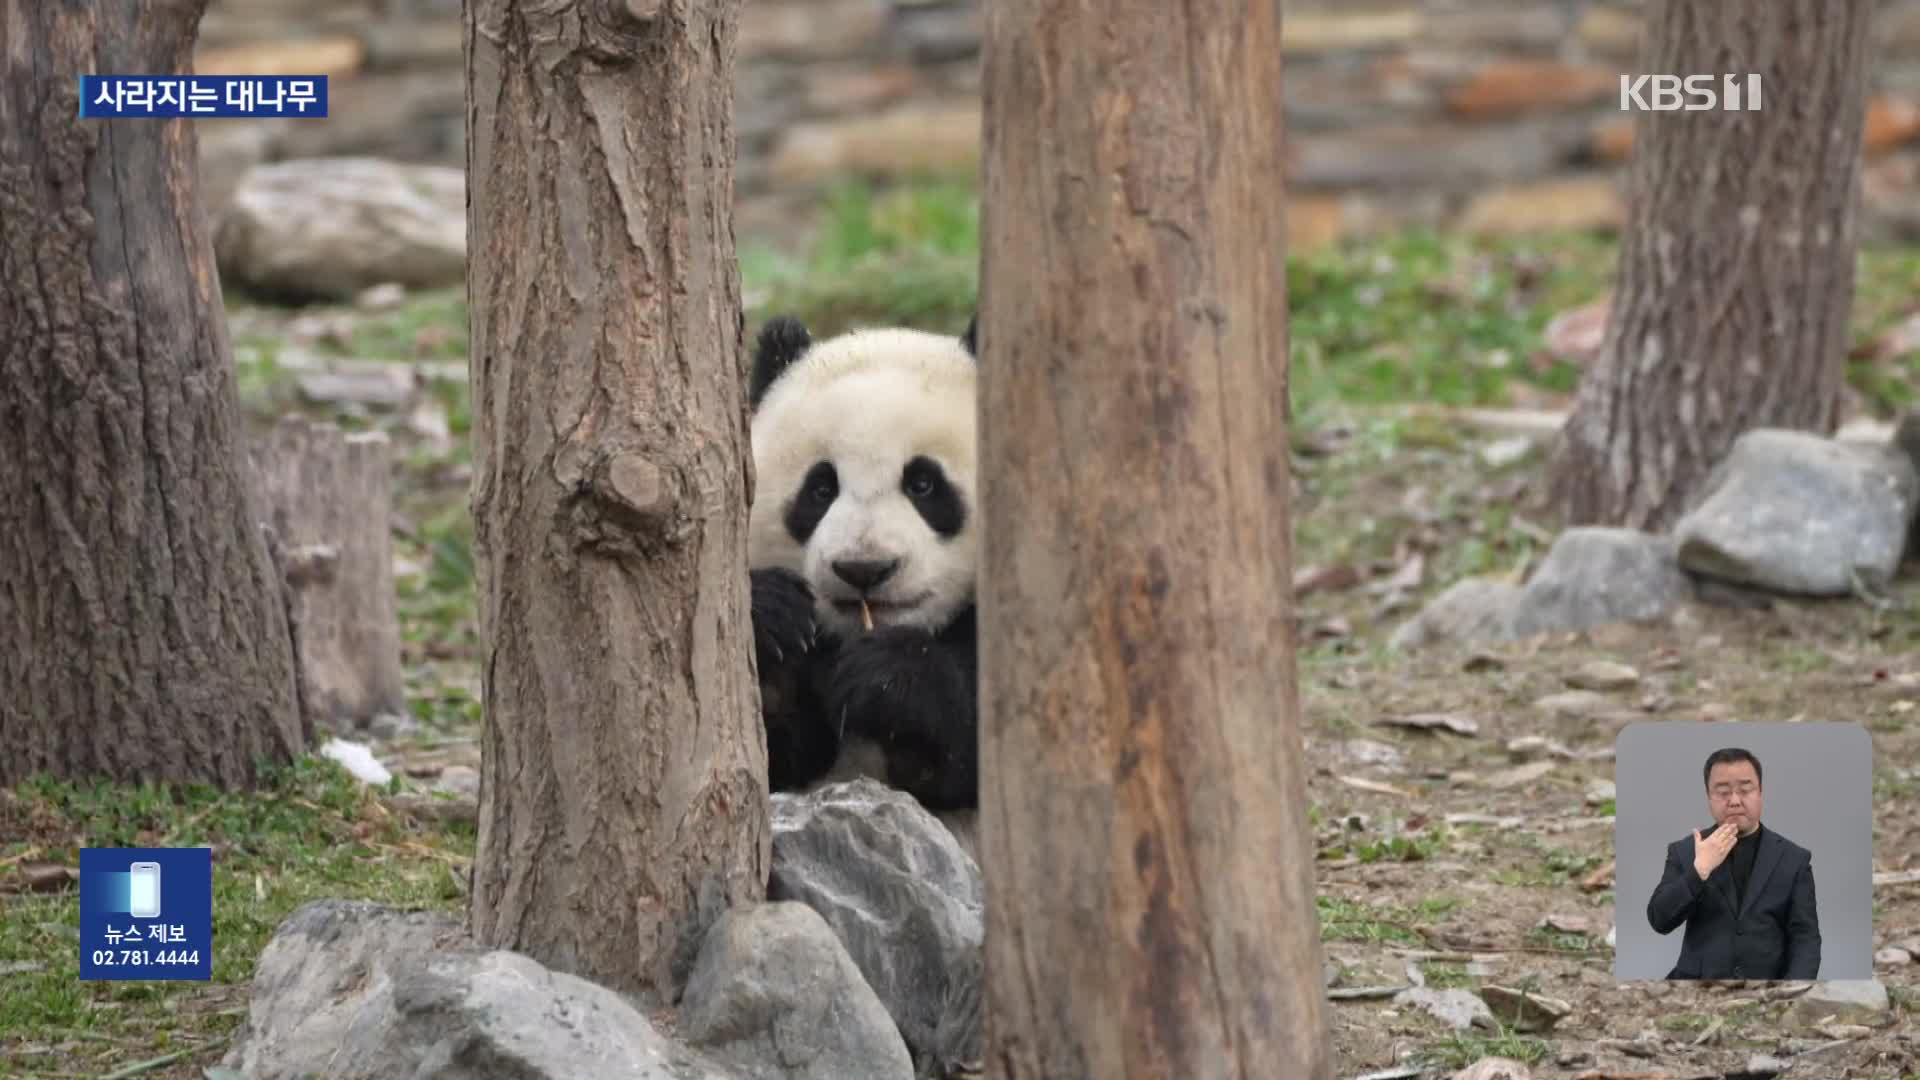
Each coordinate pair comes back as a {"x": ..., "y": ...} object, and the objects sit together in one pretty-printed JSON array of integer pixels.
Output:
[{"x": 1691, "y": 93}]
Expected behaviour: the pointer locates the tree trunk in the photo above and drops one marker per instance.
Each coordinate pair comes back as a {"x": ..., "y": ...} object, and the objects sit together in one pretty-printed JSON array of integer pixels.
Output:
[
  {"x": 1737, "y": 263},
  {"x": 145, "y": 623},
  {"x": 623, "y": 770},
  {"x": 1150, "y": 901}
]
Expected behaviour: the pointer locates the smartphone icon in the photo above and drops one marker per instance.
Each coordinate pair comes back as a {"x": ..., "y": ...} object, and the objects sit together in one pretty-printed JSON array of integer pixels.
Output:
[{"x": 144, "y": 890}]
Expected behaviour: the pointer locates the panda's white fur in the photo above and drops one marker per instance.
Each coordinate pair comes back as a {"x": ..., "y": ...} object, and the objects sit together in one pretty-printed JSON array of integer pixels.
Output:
[{"x": 869, "y": 401}]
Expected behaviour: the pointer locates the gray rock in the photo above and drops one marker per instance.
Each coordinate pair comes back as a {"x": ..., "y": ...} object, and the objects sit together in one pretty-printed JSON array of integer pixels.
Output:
[
  {"x": 903, "y": 897},
  {"x": 1474, "y": 609},
  {"x": 1461, "y": 1009},
  {"x": 328, "y": 229},
  {"x": 1574, "y": 703},
  {"x": 356, "y": 991},
  {"x": 1594, "y": 576},
  {"x": 1849, "y": 1000},
  {"x": 774, "y": 995},
  {"x": 1603, "y": 675},
  {"x": 1796, "y": 513}
]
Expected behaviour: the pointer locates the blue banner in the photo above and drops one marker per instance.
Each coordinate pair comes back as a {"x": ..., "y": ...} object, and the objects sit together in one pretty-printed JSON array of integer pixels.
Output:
[
  {"x": 146, "y": 913},
  {"x": 162, "y": 96}
]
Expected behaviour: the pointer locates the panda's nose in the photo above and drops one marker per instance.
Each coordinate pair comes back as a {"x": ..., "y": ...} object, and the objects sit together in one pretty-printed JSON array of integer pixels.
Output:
[{"x": 864, "y": 574}]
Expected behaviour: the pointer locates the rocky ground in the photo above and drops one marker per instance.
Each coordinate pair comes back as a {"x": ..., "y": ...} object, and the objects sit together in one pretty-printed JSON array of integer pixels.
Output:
[{"x": 1462, "y": 793}]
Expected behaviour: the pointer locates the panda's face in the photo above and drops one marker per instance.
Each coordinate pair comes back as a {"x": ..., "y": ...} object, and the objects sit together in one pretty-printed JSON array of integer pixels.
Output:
[{"x": 864, "y": 458}]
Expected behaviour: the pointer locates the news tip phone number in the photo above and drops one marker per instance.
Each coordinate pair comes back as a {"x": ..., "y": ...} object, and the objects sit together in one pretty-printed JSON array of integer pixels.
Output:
[{"x": 145, "y": 957}]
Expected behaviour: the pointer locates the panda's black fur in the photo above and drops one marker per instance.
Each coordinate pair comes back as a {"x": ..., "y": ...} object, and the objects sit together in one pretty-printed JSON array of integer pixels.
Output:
[{"x": 899, "y": 702}]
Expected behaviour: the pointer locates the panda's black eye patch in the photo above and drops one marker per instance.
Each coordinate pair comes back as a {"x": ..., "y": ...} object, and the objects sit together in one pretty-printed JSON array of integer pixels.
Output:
[
  {"x": 817, "y": 491},
  {"x": 926, "y": 485}
]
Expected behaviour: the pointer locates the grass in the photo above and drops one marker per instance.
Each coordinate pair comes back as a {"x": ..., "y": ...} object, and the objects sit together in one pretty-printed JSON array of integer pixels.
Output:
[
  {"x": 313, "y": 832},
  {"x": 1414, "y": 316}
]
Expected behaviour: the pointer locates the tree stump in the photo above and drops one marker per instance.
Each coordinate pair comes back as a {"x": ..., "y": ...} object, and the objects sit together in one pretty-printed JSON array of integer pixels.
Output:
[{"x": 328, "y": 497}]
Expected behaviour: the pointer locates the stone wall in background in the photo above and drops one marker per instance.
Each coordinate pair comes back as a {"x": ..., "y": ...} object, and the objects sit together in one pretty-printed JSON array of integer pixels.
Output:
[{"x": 1488, "y": 114}]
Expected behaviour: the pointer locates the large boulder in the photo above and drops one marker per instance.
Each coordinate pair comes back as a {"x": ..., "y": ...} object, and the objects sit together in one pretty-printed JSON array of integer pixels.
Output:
[
  {"x": 329, "y": 228},
  {"x": 355, "y": 991},
  {"x": 904, "y": 898}
]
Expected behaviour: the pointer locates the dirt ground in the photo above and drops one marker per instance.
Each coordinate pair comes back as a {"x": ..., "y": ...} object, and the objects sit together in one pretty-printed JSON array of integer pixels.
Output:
[{"x": 1531, "y": 878}]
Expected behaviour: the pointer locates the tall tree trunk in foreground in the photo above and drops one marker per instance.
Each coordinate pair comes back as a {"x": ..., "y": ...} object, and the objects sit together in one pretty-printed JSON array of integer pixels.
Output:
[
  {"x": 1737, "y": 263},
  {"x": 1143, "y": 819},
  {"x": 145, "y": 625},
  {"x": 623, "y": 772}
]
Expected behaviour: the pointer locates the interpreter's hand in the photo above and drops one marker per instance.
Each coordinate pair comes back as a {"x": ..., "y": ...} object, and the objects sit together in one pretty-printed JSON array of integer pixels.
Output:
[{"x": 1711, "y": 852}]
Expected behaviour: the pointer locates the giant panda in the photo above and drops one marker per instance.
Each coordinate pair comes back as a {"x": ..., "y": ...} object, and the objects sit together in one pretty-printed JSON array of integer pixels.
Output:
[{"x": 863, "y": 553}]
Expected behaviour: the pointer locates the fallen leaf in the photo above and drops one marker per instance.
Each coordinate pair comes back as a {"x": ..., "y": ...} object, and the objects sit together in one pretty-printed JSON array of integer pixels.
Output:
[{"x": 1520, "y": 774}]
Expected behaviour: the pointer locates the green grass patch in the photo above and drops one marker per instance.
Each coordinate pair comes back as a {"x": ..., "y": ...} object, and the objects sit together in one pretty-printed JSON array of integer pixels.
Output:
[
  {"x": 312, "y": 832},
  {"x": 1418, "y": 315},
  {"x": 1457, "y": 1050}
]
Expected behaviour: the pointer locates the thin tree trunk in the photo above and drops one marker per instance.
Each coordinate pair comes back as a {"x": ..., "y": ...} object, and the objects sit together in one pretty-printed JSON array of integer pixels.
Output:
[
  {"x": 623, "y": 771},
  {"x": 145, "y": 625},
  {"x": 1737, "y": 263},
  {"x": 1149, "y": 865}
]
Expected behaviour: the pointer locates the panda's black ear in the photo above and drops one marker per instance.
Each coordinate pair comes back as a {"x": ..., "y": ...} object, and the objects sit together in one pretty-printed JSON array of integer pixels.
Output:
[
  {"x": 782, "y": 341},
  {"x": 970, "y": 336}
]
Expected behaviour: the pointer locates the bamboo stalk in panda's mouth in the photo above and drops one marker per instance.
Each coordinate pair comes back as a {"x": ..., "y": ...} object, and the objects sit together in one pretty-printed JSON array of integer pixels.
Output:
[{"x": 866, "y": 616}]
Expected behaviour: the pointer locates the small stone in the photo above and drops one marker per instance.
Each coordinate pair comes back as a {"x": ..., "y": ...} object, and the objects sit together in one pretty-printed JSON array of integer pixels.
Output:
[
  {"x": 1714, "y": 711},
  {"x": 1893, "y": 956},
  {"x": 1460, "y": 1009},
  {"x": 387, "y": 294},
  {"x": 1519, "y": 775},
  {"x": 1524, "y": 1011},
  {"x": 459, "y": 780},
  {"x": 1504, "y": 452},
  {"x": 1603, "y": 675},
  {"x": 1600, "y": 792},
  {"x": 1574, "y": 703},
  {"x": 1472, "y": 609}
]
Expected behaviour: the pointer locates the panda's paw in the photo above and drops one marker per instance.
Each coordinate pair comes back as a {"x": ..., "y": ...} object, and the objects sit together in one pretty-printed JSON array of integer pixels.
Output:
[
  {"x": 784, "y": 629},
  {"x": 891, "y": 686}
]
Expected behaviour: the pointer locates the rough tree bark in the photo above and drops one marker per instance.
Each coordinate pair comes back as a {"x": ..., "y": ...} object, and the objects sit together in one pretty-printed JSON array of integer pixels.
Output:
[
  {"x": 1149, "y": 865},
  {"x": 145, "y": 624},
  {"x": 1736, "y": 265},
  {"x": 623, "y": 772}
]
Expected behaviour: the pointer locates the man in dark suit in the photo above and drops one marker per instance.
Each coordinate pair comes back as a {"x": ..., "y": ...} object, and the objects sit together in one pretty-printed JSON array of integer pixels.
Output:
[{"x": 1744, "y": 891}]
